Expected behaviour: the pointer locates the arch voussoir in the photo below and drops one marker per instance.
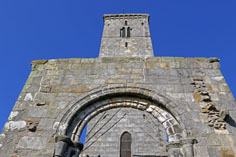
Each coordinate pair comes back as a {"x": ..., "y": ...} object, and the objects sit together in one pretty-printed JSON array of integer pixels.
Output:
[{"x": 161, "y": 107}]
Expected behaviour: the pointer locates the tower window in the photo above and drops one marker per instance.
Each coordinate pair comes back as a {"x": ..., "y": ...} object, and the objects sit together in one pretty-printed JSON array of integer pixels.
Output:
[
  {"x": 126, "y": 44},
  {"x": 125, "y": 32},
  {"x": 126, "y": 23},
  {"x": 128, "y": 32},
  {"x": 125, "y": 145},
  {"x": 122, "y": 32}
]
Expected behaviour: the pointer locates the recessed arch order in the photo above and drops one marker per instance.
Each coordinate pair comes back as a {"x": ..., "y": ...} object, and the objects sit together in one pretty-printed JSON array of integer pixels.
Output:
[{"x": 74, "y": 118}]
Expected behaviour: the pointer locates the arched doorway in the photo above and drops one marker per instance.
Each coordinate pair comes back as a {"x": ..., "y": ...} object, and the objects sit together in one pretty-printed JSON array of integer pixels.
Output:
[{"x": 161, "y": 108}]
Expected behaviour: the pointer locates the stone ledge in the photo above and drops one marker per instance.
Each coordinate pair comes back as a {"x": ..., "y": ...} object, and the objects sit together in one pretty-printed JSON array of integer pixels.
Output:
[
  {"x": 124, "y": 60},
  {"x": 39, "y": 62}
]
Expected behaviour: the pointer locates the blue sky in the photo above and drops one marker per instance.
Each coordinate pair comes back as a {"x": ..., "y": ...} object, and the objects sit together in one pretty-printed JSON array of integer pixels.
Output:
[{"x": 50, "y": 29}]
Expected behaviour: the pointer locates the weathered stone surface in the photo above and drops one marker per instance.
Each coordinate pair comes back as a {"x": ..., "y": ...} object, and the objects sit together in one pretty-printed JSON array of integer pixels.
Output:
[
  {"x": 15, "y": 125},
  {"x": 32, "y": 123},
  {"x": 35, "y": 112},
  {"x": 227, "y": 152},
  {"x": 42, "y": 103},
  {"x": 45, "y": 88},
  {"x": 46, "y": 124},
  {"x": 39, "y": 61},
  {"x": 28, "y": 97},
  {"x": 32, "y": 126},
  {"x": 183, "y": 97},
  {"x": 214, "y": 151},
  {"x": 211, "y": 60},
  {"x": 28, "y": 142},
  {"x": 13, "y": 114},
  {"x": 197, "y": 96},
  {"x": 223, "y": 113}
]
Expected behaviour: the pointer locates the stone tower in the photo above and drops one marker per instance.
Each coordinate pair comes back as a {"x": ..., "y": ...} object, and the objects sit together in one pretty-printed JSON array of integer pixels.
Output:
[
  {"x": 126, "y": 35},
  {"x": 133, "y": 104}
]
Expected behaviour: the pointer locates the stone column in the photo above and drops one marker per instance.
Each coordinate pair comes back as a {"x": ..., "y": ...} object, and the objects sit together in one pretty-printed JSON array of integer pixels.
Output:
[
  {"x": 173, "y": 149},
  {"x": 62, "y": 143},
  {"x": 187, "y": 147},
  {"x": 182, "y": 148},
  {"x": 75, "y": 150}
]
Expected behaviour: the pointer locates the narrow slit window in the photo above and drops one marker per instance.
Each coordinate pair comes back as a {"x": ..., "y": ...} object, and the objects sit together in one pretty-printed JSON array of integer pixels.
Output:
[
  {"x": 126, "y": 44},
  {"x": 126, "y": 23},
  {"x": 122, "y": 32},
  {"x": 128, "y": 32},
  {"x": 125, "y": 145}
]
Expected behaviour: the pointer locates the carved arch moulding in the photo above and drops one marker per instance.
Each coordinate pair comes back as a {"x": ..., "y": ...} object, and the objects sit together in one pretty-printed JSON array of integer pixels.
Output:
[{"x": 69, "y": 126}]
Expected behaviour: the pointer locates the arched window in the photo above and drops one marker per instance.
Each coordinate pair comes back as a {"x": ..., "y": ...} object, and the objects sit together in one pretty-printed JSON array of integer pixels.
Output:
[
  {"x": 125, "y": 145},
  {"x": 122, "y": 32},
  {"x": 128, "y": 32}
]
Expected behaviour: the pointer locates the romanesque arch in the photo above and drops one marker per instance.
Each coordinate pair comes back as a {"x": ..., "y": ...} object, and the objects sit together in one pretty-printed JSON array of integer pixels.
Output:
[{"x": 77, "y": 115}]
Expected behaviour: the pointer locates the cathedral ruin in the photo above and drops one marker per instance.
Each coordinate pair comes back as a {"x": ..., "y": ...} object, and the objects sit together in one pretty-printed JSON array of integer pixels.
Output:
[{"x": 133, "y": 104}]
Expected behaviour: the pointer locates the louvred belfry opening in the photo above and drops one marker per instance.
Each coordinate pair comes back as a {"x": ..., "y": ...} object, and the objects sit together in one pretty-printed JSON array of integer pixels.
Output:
[{"x": 125, "y": 145}]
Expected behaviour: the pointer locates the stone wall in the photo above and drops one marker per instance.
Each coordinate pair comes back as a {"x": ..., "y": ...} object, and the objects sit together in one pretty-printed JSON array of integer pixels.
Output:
[
  {"x": 105, "y": 130},
  {"x": 191, "y": 83}
]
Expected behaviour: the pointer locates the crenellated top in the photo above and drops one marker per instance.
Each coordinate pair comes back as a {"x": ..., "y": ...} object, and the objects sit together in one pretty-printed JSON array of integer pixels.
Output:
[{"x": 124, "y": 16}]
